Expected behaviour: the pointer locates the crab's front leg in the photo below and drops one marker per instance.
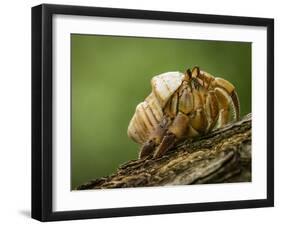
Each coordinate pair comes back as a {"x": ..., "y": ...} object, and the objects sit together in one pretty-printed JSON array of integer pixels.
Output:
[
  {"x": 147, "y": 148},
  {"x": 155, "y": 138},
  {"x": 177, "y": 130},
  {"x": 188, "y": 122},
  {"x": 166, "y": 135},
  {"x": 182, "y": 127},
  {"x": 228, "y": 100}
]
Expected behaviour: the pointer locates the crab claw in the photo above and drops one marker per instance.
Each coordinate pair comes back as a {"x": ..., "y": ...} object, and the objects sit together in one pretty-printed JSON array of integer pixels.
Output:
[
  {"x": 166, "y": 144},
  {"x": 146, "y": 149}
]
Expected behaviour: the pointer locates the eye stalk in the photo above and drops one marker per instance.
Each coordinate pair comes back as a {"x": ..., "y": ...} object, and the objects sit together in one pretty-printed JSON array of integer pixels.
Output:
[
  {"x": 187, "y": 75},
  {"x": 195, "y": 72}
]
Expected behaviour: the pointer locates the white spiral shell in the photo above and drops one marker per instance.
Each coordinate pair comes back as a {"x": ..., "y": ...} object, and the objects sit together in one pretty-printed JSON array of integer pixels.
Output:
[{"x": 149, "y": 113}]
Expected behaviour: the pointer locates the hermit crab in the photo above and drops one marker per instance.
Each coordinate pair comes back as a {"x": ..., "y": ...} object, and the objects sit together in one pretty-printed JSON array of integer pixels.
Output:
[{"x": 180, "y": 107}]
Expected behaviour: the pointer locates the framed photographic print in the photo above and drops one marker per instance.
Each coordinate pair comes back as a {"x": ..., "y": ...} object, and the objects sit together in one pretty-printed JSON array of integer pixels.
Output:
[{"x": 145, "y": 112}]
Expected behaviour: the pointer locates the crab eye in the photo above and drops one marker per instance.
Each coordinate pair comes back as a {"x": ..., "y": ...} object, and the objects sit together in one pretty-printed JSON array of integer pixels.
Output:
[
  {"x": 187, "y": 75},
  {"x": 195, "y": 72}
]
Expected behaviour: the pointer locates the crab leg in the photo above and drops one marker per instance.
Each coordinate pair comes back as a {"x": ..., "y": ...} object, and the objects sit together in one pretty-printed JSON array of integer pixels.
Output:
[
  {"x": 167, "y": 142},
  {"x": 212, "y": 110},
  {"x": 230, "y": 89},
  {"x": 147, "y": 148},
  {"x": 199, "y": 121},
  {"x": 225, "y": 105},
  {"x": 155, "y": 138},
  {"x": 236, "y": 103},
  {"x": 177, "y": 130}
]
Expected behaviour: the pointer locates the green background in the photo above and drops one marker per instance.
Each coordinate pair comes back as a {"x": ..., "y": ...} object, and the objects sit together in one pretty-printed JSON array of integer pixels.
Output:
[{"x": 111, "y": 75}]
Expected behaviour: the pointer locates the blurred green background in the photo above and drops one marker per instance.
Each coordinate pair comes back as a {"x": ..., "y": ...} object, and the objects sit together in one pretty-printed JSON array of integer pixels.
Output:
[{"x": 111, "y": 75}]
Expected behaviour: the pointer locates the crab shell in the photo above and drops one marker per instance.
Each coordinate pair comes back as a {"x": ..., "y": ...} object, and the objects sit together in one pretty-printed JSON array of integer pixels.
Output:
[{"x": 149, "y": 113}]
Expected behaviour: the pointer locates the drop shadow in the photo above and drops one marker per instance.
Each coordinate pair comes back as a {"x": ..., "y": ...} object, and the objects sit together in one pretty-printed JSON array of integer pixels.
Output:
[{"x": 25, "y": 213}]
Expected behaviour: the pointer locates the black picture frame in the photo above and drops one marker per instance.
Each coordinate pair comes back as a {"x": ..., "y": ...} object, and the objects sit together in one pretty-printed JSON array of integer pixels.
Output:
[{"x": 42, "y": 103}]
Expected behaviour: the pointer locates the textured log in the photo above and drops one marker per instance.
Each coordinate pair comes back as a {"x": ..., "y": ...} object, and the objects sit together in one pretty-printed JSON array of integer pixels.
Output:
[{"x": 220, "y": 157}]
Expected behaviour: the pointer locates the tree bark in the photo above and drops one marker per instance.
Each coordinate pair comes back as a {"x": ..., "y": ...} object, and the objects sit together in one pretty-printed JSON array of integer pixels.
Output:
[{"x": 221, "y": 156}]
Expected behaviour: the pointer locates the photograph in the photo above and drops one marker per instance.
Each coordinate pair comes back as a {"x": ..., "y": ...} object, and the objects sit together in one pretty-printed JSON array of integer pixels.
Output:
[{"x": 149, "y": 111}]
